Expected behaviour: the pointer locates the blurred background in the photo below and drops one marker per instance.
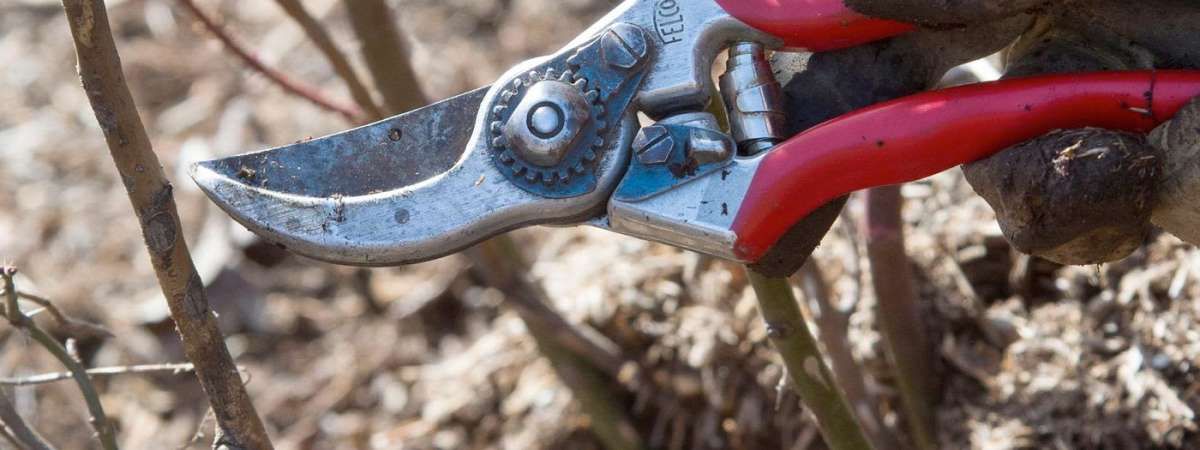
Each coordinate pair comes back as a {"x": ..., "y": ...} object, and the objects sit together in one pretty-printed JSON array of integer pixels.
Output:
[{"x": 1030, "y": 354}]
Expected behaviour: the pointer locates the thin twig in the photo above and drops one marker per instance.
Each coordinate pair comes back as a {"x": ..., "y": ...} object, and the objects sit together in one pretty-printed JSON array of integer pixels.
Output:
[
  {"x": 811, "y": 378},
  {"x": 16, "y": 430},
  {"x": 104, "y": 429},
  {"x": 52, "y": 377},
  {"x": 341, "y": 65},
  {"x": 293, "y": 86},
  {"x": 153, "y": 201},
  {"x": 63, "y": 319},
  {"x": 899, "y": 314},
  {"x": 386, "y": 53}
]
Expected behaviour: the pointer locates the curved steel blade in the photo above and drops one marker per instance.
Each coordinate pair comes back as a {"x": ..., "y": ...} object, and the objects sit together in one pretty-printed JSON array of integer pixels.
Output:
[
  {"x": 375, "y": 197},
  {"x": 384, "y": 156}
]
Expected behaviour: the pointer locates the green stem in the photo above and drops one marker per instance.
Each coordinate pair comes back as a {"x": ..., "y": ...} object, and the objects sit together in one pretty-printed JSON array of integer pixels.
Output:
[
  {"x": 810, "y": 376},
  {"x": 18, "y": 319}
]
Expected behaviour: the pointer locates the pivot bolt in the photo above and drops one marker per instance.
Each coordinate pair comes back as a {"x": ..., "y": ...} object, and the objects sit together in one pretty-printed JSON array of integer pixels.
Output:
[
  {"x": 545, "y": 125},
  {"x": 546, "y": 120}
]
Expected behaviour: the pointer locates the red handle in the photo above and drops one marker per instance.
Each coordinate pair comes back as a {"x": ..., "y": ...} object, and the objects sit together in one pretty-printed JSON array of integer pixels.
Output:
[
  {"x": 918, "y": 136},
  {"x": 814, "y": 25}
]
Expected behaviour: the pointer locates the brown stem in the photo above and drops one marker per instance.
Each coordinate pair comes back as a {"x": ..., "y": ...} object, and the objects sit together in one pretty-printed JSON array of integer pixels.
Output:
[
  {"x": 899, "y": 313},
  {"x": 386, "y": 53},
  {"x": 152, "y": 199},
  {"x": 289, "y": 84},
  {"x": 16, "y": 430},
  {"x": 341, "y": 65},
  {"x": 99, "y": 420}
]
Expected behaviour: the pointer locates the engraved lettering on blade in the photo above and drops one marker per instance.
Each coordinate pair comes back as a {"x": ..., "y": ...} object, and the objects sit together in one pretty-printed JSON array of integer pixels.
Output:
[{"x": 668, "y": 21}]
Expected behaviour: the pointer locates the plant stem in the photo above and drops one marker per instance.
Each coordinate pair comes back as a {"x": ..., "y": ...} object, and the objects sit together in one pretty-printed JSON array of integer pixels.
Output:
[
  {"x": 504, "y": 267},
  {"x": 386, "y": 53},
  {"x": 287, "y": 83},
  {"x": 832, "y": 325},
  {"x": 899, "y": 314},
  {"x": 18, "y": 319},
  {"x": 341, "y": 65},
  {"x": 19, "y": 432},
  {"x": 153, "y": 201},
  {"x": 99, "y": 371},
  {"x": 810, "y": 376}
]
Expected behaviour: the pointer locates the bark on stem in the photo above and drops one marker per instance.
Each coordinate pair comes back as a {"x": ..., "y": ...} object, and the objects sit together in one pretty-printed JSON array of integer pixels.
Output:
[
  {"x": 151, "y": 196},
  {"x": 810, "y": 376}
]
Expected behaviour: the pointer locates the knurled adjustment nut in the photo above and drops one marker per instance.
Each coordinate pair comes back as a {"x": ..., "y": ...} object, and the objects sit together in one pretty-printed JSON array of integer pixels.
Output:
[{"x": 545, "y": 126}]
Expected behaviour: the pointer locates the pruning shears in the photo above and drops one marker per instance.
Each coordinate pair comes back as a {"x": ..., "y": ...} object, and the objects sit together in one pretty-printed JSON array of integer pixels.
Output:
[{"x": 612, "y": 131}]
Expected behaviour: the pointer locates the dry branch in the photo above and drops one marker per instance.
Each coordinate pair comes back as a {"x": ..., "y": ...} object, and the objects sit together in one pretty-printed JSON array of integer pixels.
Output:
[
  {"x": 320, "y": 37},
  {"x": 46, "y": 378},
  {"x": 154, "y": 203},
  {"x": 280, "y": 79},
  {"x": 73, "y": 325}
]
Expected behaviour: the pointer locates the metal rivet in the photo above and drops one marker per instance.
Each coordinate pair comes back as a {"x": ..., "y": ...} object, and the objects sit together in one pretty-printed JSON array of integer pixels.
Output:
[{"x": 395, "y": 134}]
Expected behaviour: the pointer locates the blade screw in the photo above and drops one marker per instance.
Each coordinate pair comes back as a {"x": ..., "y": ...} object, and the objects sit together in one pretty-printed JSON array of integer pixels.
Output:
[
  {"x": 624, "y": 46},
  {"x": 654, "y": 145}
]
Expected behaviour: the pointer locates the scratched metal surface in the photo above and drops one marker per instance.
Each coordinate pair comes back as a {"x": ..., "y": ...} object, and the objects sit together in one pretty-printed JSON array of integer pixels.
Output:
[{"x": 387, "y": 155}]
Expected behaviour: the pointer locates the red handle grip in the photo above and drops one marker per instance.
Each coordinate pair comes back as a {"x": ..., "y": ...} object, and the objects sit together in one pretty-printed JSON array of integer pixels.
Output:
[
  {"x": 814, "y": 25},
  {"x": 918, "y": 136}
]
